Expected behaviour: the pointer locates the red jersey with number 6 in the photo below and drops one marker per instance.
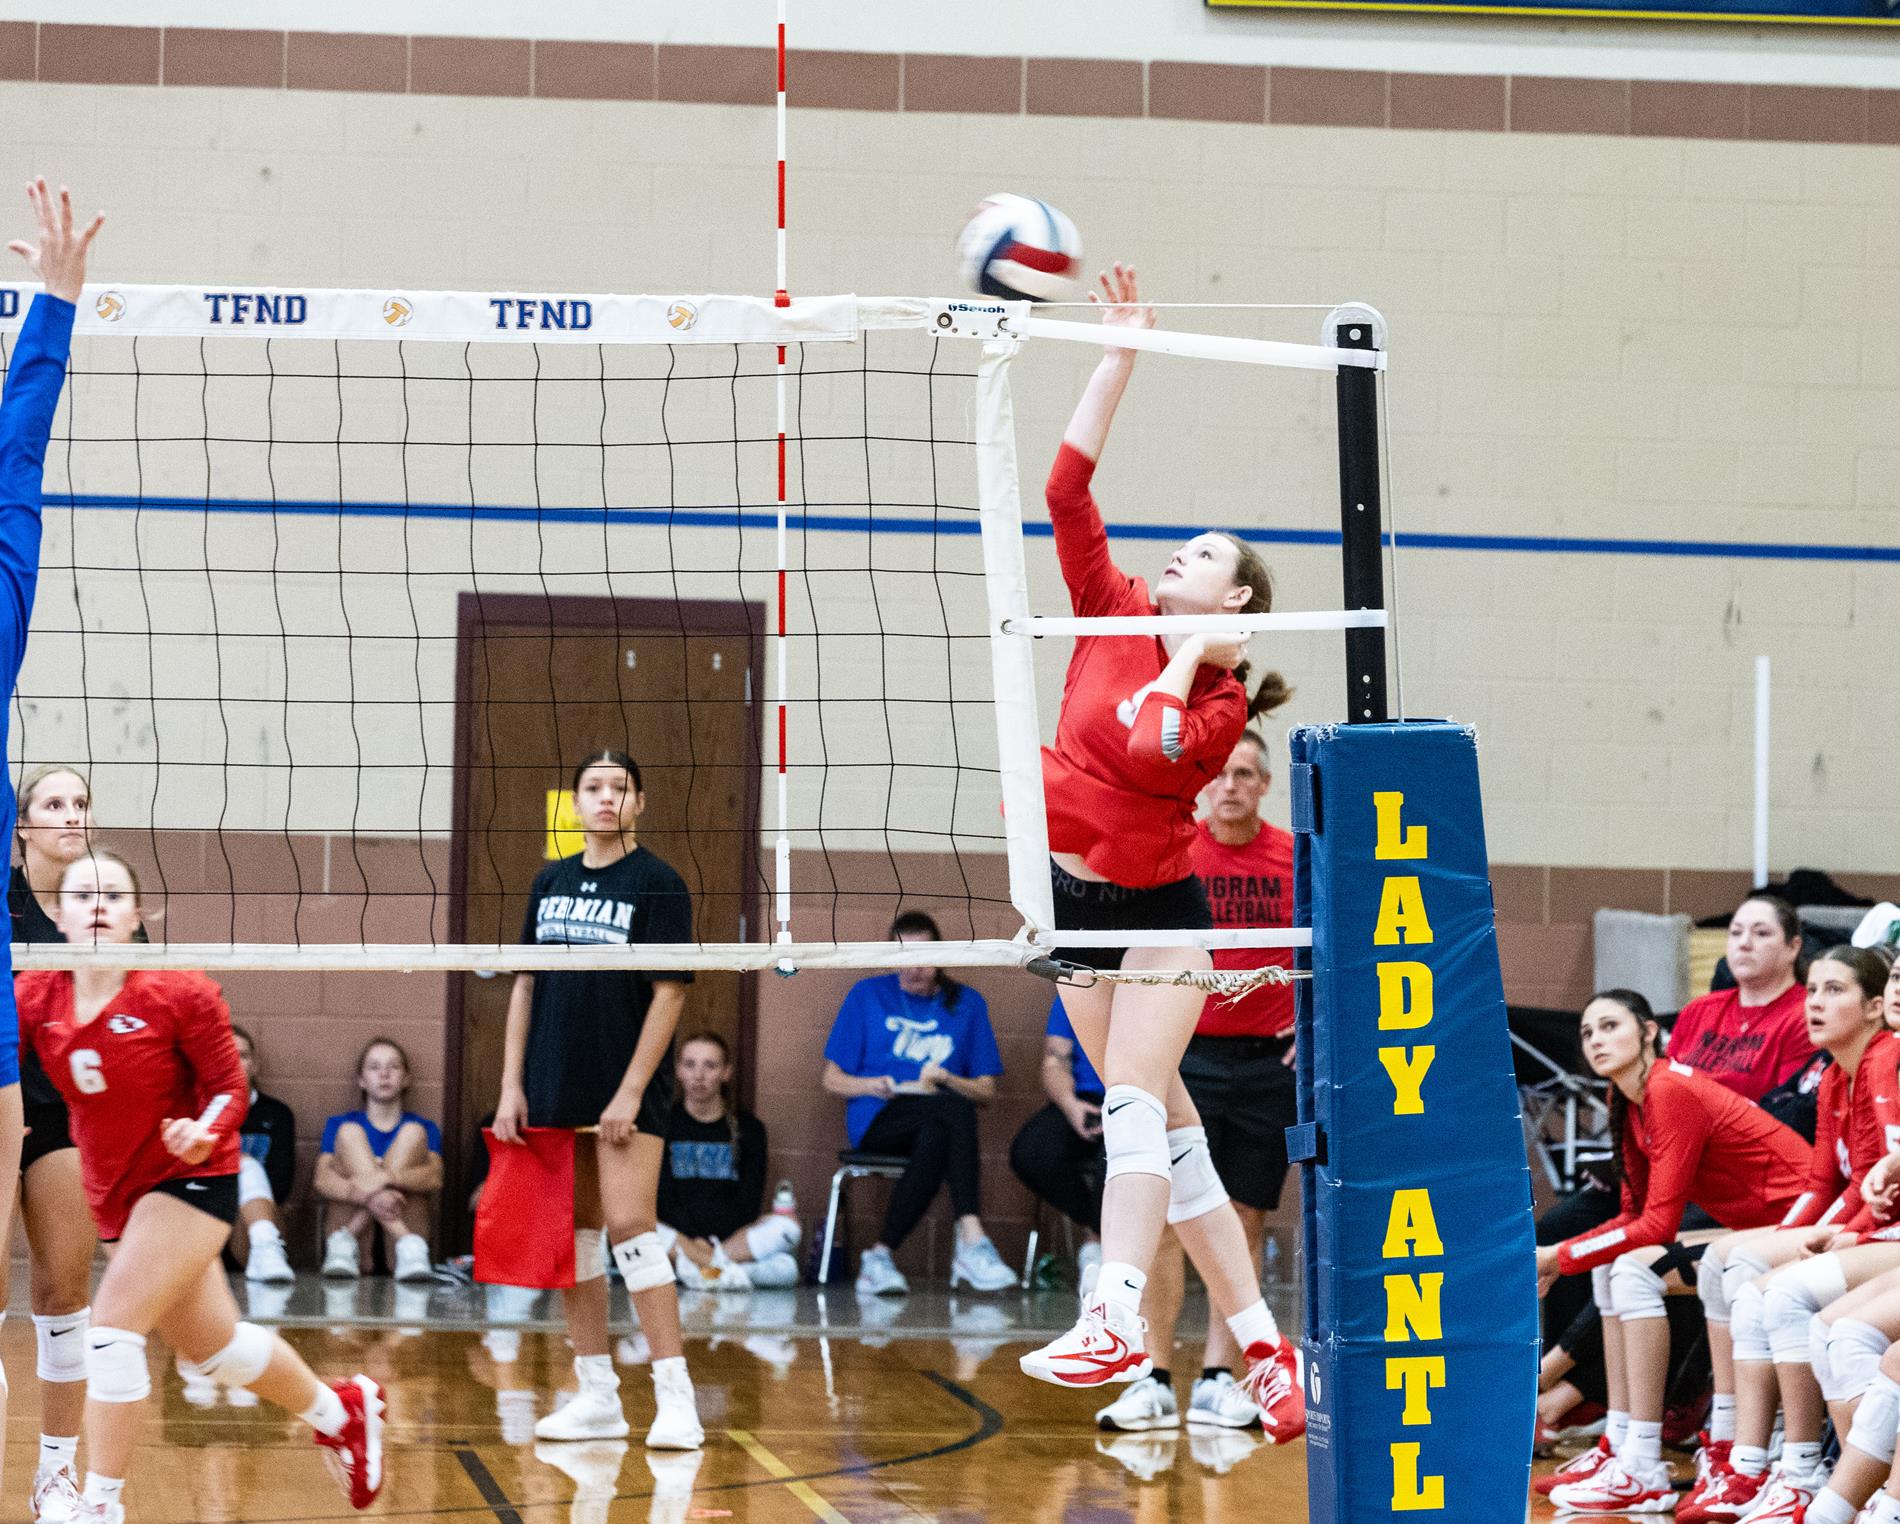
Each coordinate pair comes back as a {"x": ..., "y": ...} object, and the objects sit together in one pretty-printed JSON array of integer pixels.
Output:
[
  {"x": 162, "y": 1047},
  {"x": 1128, "y": 762},
  {"x": 1248, "y": 888}
]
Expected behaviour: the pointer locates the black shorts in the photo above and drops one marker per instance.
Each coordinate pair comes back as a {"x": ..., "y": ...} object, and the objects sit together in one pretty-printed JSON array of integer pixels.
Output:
[
  {"x": 1247, "y": 1095},
  {"x": 1083, "y": 905},
  {"x": 48, "y": 1130},
  {"x": 656, "y": 1105},
  {"x": 214, "y": 1195}
]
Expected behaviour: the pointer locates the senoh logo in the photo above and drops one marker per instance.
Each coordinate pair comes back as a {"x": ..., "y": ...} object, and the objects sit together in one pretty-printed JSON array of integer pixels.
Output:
[
  {"x": 682, "y": 315},
  {"x": 110, "y": 306},
  {"x": 534, "y": 312},
  {"x": 397, "y": 311}
]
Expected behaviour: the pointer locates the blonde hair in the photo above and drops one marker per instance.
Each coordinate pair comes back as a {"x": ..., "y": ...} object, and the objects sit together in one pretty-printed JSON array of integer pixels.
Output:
[{"x": 30, "y": 785}]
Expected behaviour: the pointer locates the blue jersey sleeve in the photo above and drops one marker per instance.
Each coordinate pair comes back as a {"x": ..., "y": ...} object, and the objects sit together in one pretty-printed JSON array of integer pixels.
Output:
[{"x": 980, "y": 1055}]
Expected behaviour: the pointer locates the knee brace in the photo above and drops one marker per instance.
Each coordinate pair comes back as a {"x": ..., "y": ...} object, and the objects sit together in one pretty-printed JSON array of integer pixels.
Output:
[
  {"x": 771, "y": 1235},
  {"x": 1134, "y": 1133},
  {"x": 1739, "y": 1266},
  {"x": 243, "y": 1360},
  {"x": 1711, "y": 1288},
  {"x": 115, "y": 1366},
  {"x": 253, "y": 1184},
  {"x": 1876, "y": 1420},
  {"x": 1637, "y": 1289},
  {"x": 62, "y": 1344},
  {"x": 1600, "y": 1292},
  {"x": 590, "y": 1254},
  {"x": 1194, "y": 1187},
  {"x": 1747, "y": 1327},
  {"x": 1793, "y": 1295},
  {"x": 1854, "y": 1349},
  {"x": 644, "y": 1263}
]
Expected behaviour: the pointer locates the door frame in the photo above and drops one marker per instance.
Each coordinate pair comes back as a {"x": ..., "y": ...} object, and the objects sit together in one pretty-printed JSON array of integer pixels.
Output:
[{"x": 590, "y": 615}]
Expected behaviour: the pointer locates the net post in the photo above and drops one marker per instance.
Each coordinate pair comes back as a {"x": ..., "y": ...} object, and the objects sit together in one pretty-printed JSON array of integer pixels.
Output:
[{"x": 1361, "y": 511}]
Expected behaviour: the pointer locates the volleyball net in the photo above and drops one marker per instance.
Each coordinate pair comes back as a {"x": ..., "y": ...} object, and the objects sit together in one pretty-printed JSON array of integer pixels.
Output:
[{"x": 338, "y": 586}]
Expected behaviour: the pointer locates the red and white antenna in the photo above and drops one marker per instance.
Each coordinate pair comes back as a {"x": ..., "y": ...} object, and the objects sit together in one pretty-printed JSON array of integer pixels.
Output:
[{"x": 782, "y": 847}]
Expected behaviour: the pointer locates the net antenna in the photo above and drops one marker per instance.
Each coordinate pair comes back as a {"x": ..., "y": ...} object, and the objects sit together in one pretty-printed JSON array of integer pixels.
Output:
[{"x": 375, "y": 404}]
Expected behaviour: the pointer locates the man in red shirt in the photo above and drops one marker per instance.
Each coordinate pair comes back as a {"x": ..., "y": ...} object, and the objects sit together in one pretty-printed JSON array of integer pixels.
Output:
[{"x": 1239, "y": 1070}]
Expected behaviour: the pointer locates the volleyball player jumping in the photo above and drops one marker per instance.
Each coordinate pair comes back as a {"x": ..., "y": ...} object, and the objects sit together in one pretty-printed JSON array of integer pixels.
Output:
[
  {"x": 1145, "y": 726},
  {"x": 150, "y": 1071}
]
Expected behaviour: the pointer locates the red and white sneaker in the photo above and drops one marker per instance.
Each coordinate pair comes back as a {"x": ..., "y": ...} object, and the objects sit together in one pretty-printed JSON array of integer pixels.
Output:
[
  {"x": 1785, "y": 1499},
  {"x": 1578, "y": 1468},
  {"x": 1728, "y": 1494},
  {"x": 1105, "y": 1345},
  {"x": 356, "y": 1453},
  {"x": 1619, "y": 1487},
  {"x": 1711, "y": 1456},
  {"x": 1273, "y": 1382},
  {"x": 56, "y": 1496}
]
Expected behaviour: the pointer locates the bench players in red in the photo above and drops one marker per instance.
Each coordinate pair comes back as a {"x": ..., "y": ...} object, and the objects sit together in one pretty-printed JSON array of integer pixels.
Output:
[{"x": 149, "y": 1067}]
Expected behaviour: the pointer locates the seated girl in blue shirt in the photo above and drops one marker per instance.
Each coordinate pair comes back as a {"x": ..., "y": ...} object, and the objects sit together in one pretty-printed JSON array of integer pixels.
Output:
[{"x": 382, "y": 1165}]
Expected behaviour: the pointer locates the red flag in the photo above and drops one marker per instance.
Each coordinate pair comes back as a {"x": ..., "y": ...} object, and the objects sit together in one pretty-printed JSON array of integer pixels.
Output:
[{"x": 524, "y": 1223}]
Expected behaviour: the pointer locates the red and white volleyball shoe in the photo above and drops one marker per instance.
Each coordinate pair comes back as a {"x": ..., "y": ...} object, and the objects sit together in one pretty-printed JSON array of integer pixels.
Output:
[
  {"x": 1727, "y": 1494},
  {"x": 1786, "y": 1498},
  {"x": 1711, "y": 1456},
  {"x": 356, "y": 1452},
  {"x": 1273, "y": 1382},
  {"x": 1578, "y": 1468},
  {"x": 1620, "y": 1487},
  {"x": 1105, "y": 1345}
]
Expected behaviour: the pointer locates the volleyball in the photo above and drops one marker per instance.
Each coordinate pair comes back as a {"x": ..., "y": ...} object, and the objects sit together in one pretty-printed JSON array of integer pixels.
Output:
[{"x": 1020, "y": 249}]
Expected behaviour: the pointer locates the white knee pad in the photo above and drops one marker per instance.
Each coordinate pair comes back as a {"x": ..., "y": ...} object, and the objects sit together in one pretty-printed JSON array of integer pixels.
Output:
[
  {"x": 62, "y": 1343},
  {"x": 668, "y": 1237},
  {"x": 1747, "y": 1326},
  {"x": 1637, "y": 1289},
  {"x": 1876, "y": 1420},
  {"x": 243, "y": 1360},
  {"x": 1194, "y": 1187},
  {"x": 771, "y": 1235},
  {"x": 115, "y": 1366},
  {"x": 1739, "y": 1266},
  {"x": 253, "y": 1183},
  {"x": 1794, "y": 1294},
  {"x": 644, "y": 1263},
  {"x": 1709, "y": 1288},
  {"x": 1854, "y": 1349},
  {"x": 1134, "y": 1133},
  {"x": 1600, "y": 1292},
  {"x": 590, "y": 1254}
]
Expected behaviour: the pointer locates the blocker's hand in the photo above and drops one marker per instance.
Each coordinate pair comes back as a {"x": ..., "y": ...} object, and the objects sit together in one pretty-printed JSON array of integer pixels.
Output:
[
  {"x": 186, "y": 1138},
  {"x": 1120, "y": 301},
  {"x": 59, "y": 258}
]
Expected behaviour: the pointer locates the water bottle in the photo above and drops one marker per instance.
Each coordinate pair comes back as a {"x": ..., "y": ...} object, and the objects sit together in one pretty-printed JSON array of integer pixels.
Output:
[{"x": 784, "y": 1202}]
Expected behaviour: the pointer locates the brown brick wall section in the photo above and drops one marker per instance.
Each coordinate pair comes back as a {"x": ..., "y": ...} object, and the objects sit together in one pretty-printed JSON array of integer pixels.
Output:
[{"x": 1162, "y": 89}]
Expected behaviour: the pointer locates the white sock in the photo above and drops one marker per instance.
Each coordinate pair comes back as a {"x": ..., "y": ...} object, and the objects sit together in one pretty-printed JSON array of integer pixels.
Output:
[
  {"x": 1750, "y": 1460},
  {"x": 672, "y": 1364},
  {"x": 1722, "y": 1417},
  {"x": 1616, "y": 1428},
  {"x": 326, "y": 1415},
  {"x": 264, "y": 1231},
  {"x": 103, "y": 1491},
  {"x": 597, "y": 1372},
  {"x": 58, "y": 1450},
  {"x": 1801, "y": 1458},
  {"x": 1120, "y": 1286},
  {"x": 1886, "y": 1508},
  {"x": 1254, "y": 1325},
  {"x": 1831, "y": 1508},
  {"x": 1643, "y": 1447}
]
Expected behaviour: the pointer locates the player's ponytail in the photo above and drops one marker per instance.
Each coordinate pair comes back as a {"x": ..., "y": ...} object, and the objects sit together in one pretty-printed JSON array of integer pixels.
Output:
[{"x": 1251, "y": 571}]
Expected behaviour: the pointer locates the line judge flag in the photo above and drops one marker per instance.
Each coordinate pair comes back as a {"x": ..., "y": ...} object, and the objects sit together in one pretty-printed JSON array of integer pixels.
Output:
[{"x": 524, "y": 1223}]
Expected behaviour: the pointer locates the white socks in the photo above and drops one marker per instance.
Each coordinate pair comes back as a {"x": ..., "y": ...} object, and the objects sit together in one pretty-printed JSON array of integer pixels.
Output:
[
  {"x": 1886, "y": 1508},
  {"x": 1644, "y": 1445},
  {"x": 1831, "y": 1508},
  {"x": 264, "y": 1231},
  {"x": 1254, "y": 1325},
  {"x": 1120, "y": 1286},
  {"x": 1801, "y": 1458},
  {"x": 1616, "y": 1428},
  {"x": 1750, "y": 1460},
  {"x": 597, "y": 1373},
  {"x": 58, "y": 1450},
  {"x": 1722, "y": 1417},
  {"x": 326, "y": 1415},
  {"x": 102, "y": 1492}
]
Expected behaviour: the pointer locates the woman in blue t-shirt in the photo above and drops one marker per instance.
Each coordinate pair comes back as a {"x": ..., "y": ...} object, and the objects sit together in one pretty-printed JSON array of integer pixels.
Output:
[
  {"x": 913, "y": 1055},
  {"x": 383, "y": 1165}
]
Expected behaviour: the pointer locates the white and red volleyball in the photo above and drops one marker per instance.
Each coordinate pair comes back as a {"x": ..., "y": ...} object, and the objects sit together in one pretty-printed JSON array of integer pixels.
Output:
[{"x": 1020, "y": 249}]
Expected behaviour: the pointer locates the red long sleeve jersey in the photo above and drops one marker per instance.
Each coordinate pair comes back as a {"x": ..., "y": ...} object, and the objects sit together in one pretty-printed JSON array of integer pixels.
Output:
[
  {"x": 1693, "y": 1140},
  {"x": 162, "y": 1047},
  {"x": 1878, "y": 1080},
  {"x": 1849, "y": 1136},
  {"x": 1128, "y": 763}
]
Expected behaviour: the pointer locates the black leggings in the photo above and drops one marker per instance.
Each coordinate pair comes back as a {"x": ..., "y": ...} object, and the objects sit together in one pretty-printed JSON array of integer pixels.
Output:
[
  {"x": 1060, "y": 1166},
  {"x": 938, "y": 1133}
]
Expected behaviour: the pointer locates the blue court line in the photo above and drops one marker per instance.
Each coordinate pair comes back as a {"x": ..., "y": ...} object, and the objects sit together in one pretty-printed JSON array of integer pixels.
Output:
[{"x": 962, "y": 521}]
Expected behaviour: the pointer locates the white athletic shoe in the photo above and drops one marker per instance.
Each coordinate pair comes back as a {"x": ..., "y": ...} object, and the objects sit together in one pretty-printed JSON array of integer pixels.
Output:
[
  {"x": 727, "y": 1274},
  {"x": 1220, "y": 1450},
  {"x": 1142, "y": 1456},
  {"x": 775, "y": 1272},
  {"x": 267, "y": 1263},
  {"x": 877, "y": 1276},
  {"x": 1105, "y": 1345},
  {"x": 412, "y": 1259},
  {"x": 591, "y": 1413},
  {"x": 1219, "y": 1402},
  {"x": 1147, "y": 1404},
  {"x": 99, "y": 1513},
  {"x": 593, "y": 1466},
  {"x": 56, "y": 1496},
  {"x": 981, "y": 1266},
  {"x": 1619, "y": 1487},
  {"x": 340, "y": 1256},
  {"x": 676, "y": 1416}
]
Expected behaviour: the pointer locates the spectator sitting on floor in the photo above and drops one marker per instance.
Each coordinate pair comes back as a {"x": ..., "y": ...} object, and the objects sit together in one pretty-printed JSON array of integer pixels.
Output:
[
  {"x": 382, "y": 1165},
  {"x": 267, "y": 1170},
  {"x": 712, "y": 1182},
  {"x": 1058, "y": 1153},
  {"x": 913, "y": 1055}
]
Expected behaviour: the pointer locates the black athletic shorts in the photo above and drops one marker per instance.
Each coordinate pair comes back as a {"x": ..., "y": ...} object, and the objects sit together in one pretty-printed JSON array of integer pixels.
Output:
[
  {"x": 214, "y": 1195},
  {"x": 1083, "y": 905},
  {"x": 49, "y": 1129},
  {"x": 1247, "y": 1096},
  {"x": 656, "y": 1105}
]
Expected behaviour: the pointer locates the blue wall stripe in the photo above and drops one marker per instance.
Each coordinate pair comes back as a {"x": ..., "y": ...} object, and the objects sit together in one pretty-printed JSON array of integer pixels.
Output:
[{"x": 962, "y": 521}]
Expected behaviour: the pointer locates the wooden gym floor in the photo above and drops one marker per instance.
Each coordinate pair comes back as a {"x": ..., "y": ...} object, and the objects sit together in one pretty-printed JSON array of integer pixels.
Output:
[{"x": 909, "y": 1409}]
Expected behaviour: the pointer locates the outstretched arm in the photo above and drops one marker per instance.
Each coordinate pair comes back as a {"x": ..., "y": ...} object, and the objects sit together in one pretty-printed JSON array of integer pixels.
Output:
[{"x": 1122, "y": 307}]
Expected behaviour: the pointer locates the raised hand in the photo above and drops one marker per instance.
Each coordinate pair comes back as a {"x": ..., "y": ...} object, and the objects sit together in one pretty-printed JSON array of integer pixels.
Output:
[
  {"x": 1120, "y": 300},
  {"x": 59, "y": 258}
]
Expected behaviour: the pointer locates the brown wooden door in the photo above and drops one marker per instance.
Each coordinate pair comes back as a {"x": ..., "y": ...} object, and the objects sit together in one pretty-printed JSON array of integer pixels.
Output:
[{"x": 542, "y": 683}]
